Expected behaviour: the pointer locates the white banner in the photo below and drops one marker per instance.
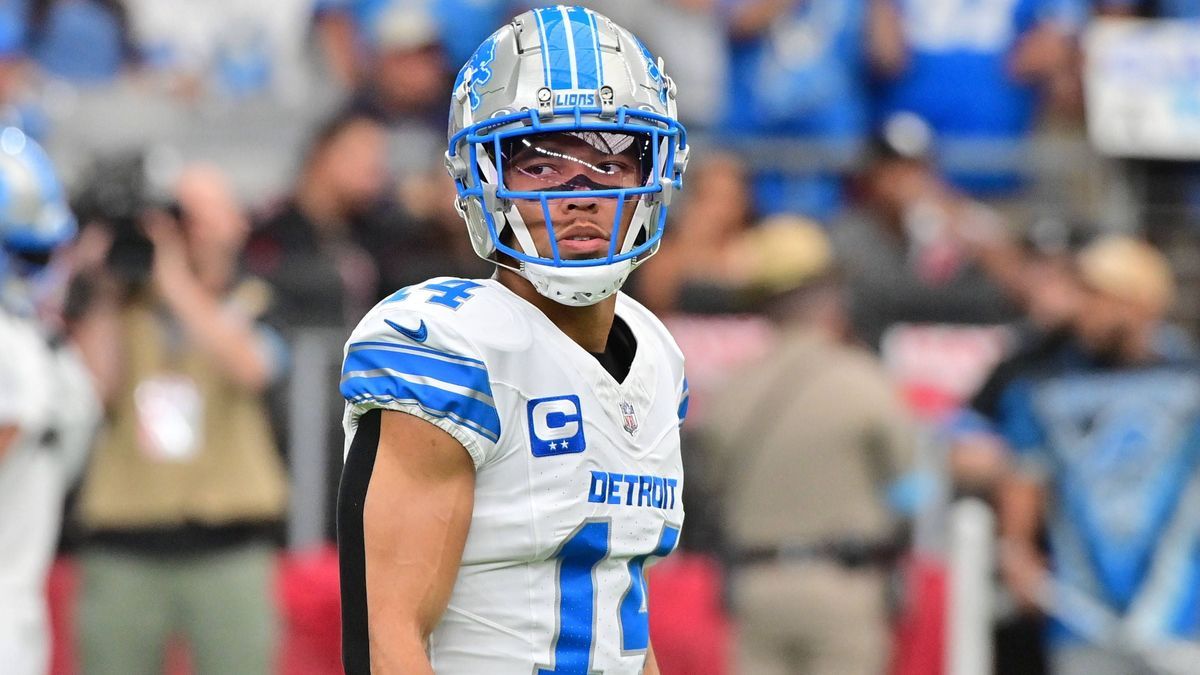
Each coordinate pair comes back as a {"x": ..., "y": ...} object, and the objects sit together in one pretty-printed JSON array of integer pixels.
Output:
[{"x": 1142, "y": 83}]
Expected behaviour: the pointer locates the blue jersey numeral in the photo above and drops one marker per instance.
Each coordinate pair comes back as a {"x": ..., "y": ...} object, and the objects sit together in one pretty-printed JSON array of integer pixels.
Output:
[
  {"x": 452, "y": 293},
  {"x": 635, "y": 620},
  {"x": 578, "y": 558}
]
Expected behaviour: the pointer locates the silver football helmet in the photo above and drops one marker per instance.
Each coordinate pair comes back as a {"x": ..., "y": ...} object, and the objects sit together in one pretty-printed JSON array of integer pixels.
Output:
[
  {"x": 562, "y": 108},
  {"x": 35, "y": 220}
]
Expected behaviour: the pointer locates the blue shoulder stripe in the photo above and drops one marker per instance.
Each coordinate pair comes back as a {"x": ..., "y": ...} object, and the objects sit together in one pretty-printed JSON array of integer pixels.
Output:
[
  {"x": 684, "y": 399},
  {"x": 373, "y": 362},
  {"x": 470, "y": 413},
  {"x": 395, "y": 346}
]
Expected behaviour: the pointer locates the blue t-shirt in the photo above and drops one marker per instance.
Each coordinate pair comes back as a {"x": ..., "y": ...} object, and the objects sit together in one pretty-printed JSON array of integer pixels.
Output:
[
  {"x": 957, "y": 77},
  {"x": 77, "y": 40},
  {"x": 14, "y": 27},
  {"x": 1119, "y": 449},
  {"x": 804, "y": 78},
  {"x": 81, "y": 41}
]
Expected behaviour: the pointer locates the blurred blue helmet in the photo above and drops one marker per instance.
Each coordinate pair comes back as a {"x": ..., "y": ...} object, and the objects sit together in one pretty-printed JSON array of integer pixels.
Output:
[
  {"x": 35, "y": 219},
  {"x": 564, "y": 104}
]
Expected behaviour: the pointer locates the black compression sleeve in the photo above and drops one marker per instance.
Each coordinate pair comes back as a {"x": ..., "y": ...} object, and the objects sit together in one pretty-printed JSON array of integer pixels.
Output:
[{"x": 352, "y": 495}]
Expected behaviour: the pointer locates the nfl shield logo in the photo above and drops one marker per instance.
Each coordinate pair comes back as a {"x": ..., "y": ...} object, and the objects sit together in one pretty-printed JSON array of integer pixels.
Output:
[{"x": 631, "y": 423}]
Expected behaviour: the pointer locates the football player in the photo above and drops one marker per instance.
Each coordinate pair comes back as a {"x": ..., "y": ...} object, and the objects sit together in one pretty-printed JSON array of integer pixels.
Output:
[
  {"x": 513, "y": 461},
  {"x": 48, "y": 408}
]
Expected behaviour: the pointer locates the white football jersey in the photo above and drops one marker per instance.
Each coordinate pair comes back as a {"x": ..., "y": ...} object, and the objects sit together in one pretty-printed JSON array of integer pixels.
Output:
[
  {"x": 49, "y": 396},
  {"x": 579, "y": 480},
  {"x": 31, "y": 493},
  {"x": 28, "y": 484}
]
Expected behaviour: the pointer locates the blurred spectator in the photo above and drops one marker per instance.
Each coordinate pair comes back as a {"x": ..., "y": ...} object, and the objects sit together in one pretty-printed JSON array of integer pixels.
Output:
[
  {"x": 805, "y": 446},
  {"x": 183, "y": 498},
  {"x": 351, "y": 30},
  {"x": 83, "y": 41},
  {"x": 429, "y": 243},
  {"x": 321, "y": 249},
  {"x": 1050, "y": 299},
  {"x": 798, "y": 72},
  {"x": 404, "y": 89},
  {"x": 15, "y": 69},
  {"x": 916, "y": 250},
  {"x": 227, "y": 48},
  {"x": 973, "y": 69},
  {"x": 694, "y": 273},
  {"x": 1104, "y": 437},
  {"x": 689, "y": 36},
  {"x": 306, "y": 247},
  {"x": 48, "y": 407},
  {"x": 407, "y": 72}
]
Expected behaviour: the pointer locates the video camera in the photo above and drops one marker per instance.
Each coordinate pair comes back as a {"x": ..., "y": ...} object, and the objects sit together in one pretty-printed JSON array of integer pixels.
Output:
[{"x": 116, "y": 194}]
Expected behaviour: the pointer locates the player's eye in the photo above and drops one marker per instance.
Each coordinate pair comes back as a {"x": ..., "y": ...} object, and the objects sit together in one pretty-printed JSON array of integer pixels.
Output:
[
  {"x": 538, "y": 170},
  {"x": 613, "y": 168},
  {"x": 618, "y": 172}
]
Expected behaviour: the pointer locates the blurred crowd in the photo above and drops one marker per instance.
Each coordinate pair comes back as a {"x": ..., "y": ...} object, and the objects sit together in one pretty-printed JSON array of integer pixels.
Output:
[{"x": 890, "y": 304}]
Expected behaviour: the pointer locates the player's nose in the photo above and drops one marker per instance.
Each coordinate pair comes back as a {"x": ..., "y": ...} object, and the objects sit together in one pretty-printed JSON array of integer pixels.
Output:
[{"x": 582, "y": 203}]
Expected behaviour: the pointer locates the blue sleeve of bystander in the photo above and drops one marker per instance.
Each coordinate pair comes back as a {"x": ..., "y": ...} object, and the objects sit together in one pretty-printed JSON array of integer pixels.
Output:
[{"x": 1018, "y": 423}]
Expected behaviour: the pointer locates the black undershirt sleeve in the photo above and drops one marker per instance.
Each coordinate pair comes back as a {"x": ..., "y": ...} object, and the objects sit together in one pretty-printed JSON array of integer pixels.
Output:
[{"x": 352, "y": 495}]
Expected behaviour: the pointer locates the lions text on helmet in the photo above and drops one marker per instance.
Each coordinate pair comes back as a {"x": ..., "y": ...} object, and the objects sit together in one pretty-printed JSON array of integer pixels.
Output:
[{"x": 565, "y": 148}]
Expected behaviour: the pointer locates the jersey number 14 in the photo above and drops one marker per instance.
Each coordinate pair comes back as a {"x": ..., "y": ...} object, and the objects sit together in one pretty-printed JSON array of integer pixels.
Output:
[{"x": 578, "y": 557}]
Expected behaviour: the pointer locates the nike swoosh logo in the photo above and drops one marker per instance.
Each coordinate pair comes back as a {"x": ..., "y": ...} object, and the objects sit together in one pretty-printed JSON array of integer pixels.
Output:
[{"x": 417, "y": 334}]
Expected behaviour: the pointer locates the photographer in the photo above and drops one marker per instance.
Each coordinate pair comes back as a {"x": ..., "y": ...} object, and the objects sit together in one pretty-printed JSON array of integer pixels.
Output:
[{"x": 182, "y": 500}]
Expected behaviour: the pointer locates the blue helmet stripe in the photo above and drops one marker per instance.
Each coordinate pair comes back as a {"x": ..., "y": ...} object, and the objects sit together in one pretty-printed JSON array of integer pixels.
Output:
[
  {"x": 591, "y": 17},
  {"x": 537, "y": 15},
  {"x": 587, "y": 52},
  {"x": 569, "y": 29},
  {"x": 556, "y": 50}
]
